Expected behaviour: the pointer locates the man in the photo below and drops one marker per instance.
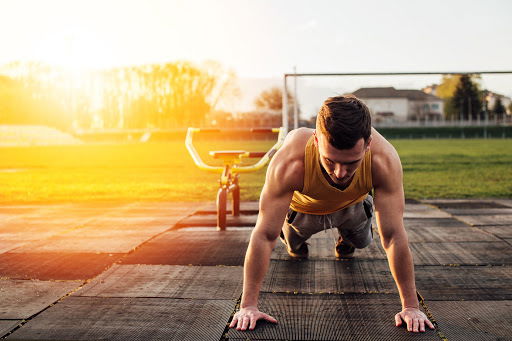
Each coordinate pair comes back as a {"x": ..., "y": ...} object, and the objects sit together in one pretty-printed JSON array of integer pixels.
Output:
[{"x": 320, "y": 179}]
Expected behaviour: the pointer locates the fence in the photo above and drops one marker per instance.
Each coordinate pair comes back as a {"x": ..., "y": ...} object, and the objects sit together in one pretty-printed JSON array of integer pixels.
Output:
[{"x": 446, "y": 132}]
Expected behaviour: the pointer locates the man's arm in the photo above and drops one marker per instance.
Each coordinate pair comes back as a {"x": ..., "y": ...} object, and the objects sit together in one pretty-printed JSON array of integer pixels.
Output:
[
  {"x": 283, "y": 177},
  {"x": 389, "y": 206}
]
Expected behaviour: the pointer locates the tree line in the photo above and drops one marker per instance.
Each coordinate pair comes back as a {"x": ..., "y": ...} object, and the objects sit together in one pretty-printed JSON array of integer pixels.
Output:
[
  {"x": 465, "y": 100},
  {"x": 169, "y": 95}
]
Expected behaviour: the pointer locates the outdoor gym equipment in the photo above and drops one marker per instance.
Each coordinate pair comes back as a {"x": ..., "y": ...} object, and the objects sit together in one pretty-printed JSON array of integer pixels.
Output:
[{"x": 231, "y": 159}]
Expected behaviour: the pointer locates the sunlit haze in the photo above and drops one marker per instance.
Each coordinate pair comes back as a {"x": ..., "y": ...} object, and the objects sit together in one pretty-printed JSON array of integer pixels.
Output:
[{"x": 262, "y": 39}]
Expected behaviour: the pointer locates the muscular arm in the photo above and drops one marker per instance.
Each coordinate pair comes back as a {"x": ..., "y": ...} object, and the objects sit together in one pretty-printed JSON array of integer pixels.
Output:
[
  {"x": 274, "y": 204},
  {"x": 389, "y": 207},
  {"x": 284, "y": 176}
]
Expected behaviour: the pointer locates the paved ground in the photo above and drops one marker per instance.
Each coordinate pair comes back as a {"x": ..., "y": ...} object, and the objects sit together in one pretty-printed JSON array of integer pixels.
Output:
[{"x": 161, "y": 271}]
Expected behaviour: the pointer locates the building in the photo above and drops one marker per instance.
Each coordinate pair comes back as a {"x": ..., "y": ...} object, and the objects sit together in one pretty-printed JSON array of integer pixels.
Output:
[
  {"x": 391, "y": 105},
  {"x": 492, "y": 97}
]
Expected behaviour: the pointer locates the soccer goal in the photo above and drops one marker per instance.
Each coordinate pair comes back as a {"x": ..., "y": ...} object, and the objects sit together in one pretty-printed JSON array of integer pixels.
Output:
[{"x": 405, "y": 99}]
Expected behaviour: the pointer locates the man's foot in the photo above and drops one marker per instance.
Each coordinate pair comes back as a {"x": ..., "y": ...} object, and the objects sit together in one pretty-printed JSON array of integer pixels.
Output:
[
  {"x": 343, "y": 250},
  {"x": 302, "y": 253}
]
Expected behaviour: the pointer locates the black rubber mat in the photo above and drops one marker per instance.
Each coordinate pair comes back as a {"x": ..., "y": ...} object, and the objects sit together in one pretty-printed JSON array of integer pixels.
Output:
[
  {"x": 321, "y": 246},
  {"x": 91, "y": 318},
  {"x": 504, "y": 231},
  {"x": 425, "y": 223},
  {"x": 7, "y": 245},
  {"x": 470, "y": 253},
  {"x": 156, "y": 210},
  {"x": 320, "y": 276},
  {"x": 468, "y": 205},
  {"x": 170, "y": 281},
  {"x": 480, "y": 211},
  {"x": 47, "y": 266},
  {"x": 18, "y": 209},
  {"x": 51, "y": 222},
  {"x": 211, "y": 220},
  {"x": 473, "y": 320},
  {"x": 105, "y": 242},
  {"x": 31, "y": 230},
  {"x": 330, "y": 317},
  {"x": 452, "y": 234},
  {"x": 424, "y": 212},
  {"x": 476, "y": 283},
  {"x": 22, "y": 299},
  {"x": 7, "y": 325},
  {"x": 483, "y": 220},
  {"x": 506, "y": 202},
  {"x": 121, "y": 221},
  {"x": 193, "y": 248},
  {"x": 303, "y": 277},
  {"x": 246, "y": 207}
]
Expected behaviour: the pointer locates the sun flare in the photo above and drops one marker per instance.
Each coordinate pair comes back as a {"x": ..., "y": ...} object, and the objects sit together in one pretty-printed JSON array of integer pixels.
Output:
[{"x": 75, "y": 49}]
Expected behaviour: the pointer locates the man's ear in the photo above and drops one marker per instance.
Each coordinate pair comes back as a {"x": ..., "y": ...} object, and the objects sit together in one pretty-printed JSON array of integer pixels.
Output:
[{"x": 368, "y": 143}]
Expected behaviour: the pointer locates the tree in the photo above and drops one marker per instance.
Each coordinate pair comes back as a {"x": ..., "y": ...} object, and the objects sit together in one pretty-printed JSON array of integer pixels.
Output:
[
  {"x": 499, "y": 109},
  {"x": 174, "y": 94},
  {"x": 29, "y": 101},
  {"x": 225, "y": 89},
  {"x": 446, "y": 90},
  {"x": 447, "y": 87},
  {"x": 272, "y": 99},
  {"x": 466, "y": 99}
]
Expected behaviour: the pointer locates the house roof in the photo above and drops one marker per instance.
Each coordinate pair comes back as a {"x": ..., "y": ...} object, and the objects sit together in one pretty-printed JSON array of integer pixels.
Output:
[{"x": 391, "y": 92}]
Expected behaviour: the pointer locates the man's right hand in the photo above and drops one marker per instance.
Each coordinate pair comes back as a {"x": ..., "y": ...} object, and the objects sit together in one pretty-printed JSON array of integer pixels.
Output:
[{"x": 247, "y": 317}]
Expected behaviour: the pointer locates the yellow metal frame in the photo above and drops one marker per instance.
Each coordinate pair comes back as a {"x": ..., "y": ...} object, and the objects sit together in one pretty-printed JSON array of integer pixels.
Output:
[{"x": 233, "y": 161}]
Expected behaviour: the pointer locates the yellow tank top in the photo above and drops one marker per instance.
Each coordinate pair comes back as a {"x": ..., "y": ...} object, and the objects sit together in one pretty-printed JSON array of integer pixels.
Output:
[{"x": 318, "y": 196}]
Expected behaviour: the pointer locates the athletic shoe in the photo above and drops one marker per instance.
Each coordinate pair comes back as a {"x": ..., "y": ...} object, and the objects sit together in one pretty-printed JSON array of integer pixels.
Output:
[
  {"x": 343, "y": 250},
  {"x": 301, "y": 254}
]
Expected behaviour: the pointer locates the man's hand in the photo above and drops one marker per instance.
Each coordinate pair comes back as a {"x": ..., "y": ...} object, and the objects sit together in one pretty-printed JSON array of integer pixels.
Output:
[
  {"x": 414, "y": 318},
  {"x": 247, "y": 317}
]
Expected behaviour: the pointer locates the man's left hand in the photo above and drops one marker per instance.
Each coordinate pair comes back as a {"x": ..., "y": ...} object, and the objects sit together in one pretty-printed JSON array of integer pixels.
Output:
[{"x": 414, "y": 318}]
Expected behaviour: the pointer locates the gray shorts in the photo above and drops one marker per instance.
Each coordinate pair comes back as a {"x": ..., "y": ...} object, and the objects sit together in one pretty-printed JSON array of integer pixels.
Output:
[{"x": 354, "y": 224}]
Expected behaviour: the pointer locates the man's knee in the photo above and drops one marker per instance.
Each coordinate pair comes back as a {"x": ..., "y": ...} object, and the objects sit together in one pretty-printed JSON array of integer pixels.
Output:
[{"x": 361, "y": 243}]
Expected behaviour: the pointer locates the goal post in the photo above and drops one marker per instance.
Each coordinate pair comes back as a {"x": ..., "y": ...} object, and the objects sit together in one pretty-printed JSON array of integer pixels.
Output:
[{"x": 295, "y": 76}]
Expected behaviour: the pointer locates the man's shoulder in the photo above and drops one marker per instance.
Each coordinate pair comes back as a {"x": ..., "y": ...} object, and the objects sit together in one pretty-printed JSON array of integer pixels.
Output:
[
  {"x": 385, "y": 160},
  {"x": 381, "y": 147},
  {"x": 300, "y": 135},
  {"x": 288, "y": 163},
  {"x": 295, "y": 143}
]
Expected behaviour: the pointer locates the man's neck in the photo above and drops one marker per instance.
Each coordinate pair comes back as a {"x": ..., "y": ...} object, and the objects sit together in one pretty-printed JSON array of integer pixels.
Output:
[{"x": 331, "y": 182}]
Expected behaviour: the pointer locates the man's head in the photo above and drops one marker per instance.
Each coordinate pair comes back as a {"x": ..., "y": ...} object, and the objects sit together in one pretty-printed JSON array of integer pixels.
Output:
[
  {"x": 343, "y": 121},
  {"x": 343, "y": 135}
]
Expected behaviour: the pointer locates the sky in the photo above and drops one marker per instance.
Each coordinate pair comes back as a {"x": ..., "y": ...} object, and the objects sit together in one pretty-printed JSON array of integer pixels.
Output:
[{"x": 264, "y": 39}]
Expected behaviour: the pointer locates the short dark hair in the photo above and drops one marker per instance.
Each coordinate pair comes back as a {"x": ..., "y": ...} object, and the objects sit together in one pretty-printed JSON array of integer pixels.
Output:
[{"x": 344, "y": 120}]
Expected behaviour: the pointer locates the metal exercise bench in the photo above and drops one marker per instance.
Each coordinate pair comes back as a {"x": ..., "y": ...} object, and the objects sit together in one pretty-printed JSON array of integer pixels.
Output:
[{"x": 231, "y": 159}]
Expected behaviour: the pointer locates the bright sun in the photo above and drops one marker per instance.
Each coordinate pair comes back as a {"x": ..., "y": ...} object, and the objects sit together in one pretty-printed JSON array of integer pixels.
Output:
[
  {"x": 77, "y": 50},
  {"x": 79, "y": 54}
]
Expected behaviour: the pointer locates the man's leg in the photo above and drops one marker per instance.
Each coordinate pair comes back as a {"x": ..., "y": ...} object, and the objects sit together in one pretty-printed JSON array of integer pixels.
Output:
[
  {"x": 297, "y": 228},
  {"x": 354, "y": 225}
]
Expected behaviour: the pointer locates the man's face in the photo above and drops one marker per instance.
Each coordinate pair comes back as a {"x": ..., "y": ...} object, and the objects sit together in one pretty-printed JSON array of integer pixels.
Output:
[{"x": 340, "y": 164}]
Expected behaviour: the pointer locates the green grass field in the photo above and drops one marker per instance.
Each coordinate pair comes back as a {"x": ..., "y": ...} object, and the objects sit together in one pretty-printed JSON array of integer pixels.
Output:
[{"x": 165, "y": 171}]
